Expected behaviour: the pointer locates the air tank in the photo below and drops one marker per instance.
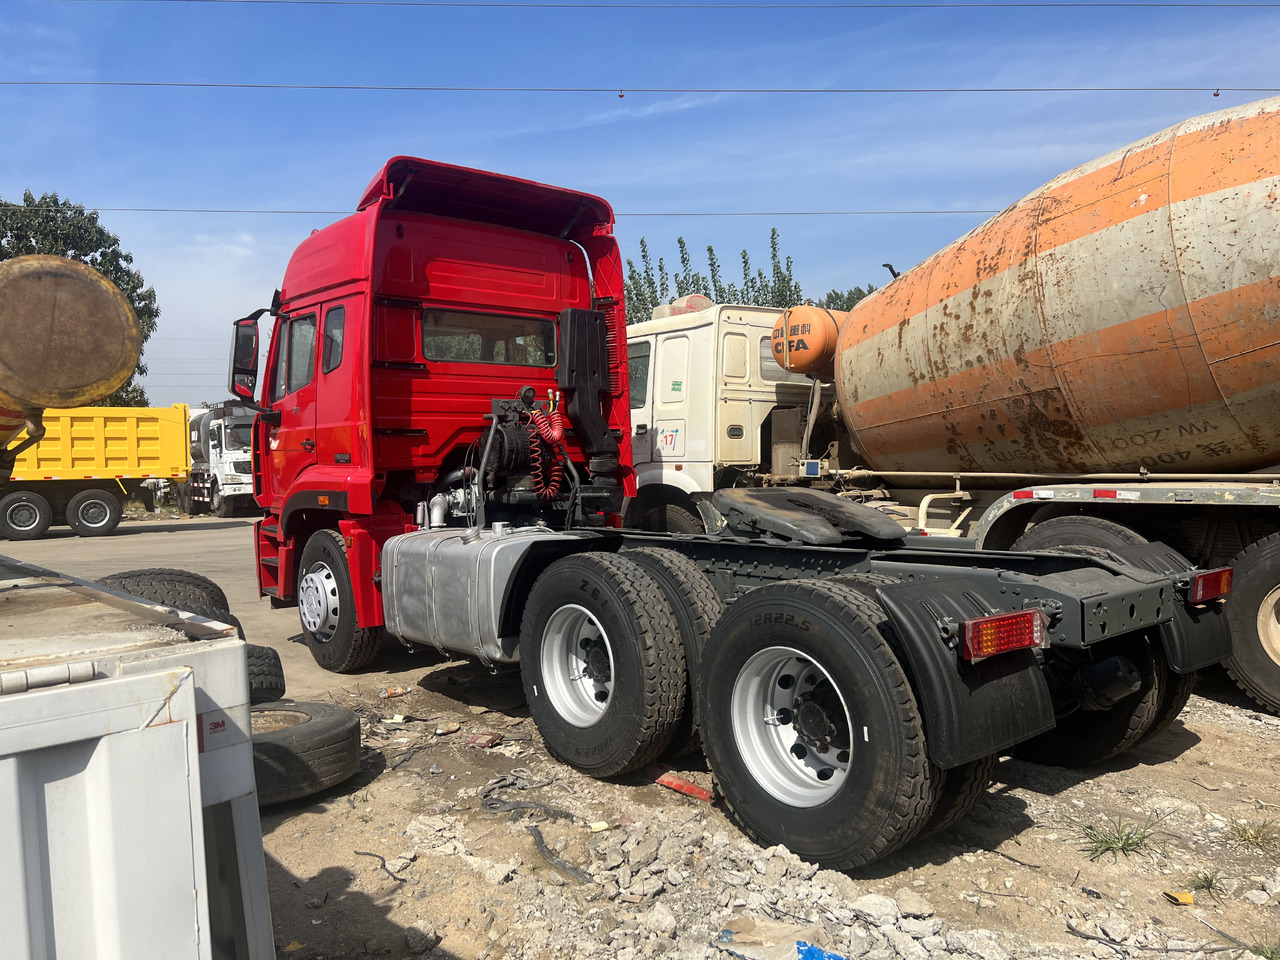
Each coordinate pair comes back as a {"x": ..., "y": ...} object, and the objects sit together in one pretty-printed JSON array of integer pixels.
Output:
[{"x": 1125, "y": 316}]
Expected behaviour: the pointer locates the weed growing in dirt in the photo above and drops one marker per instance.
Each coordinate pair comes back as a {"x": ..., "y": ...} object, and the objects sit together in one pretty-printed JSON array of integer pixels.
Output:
[
  {"x": 1261, "y": 834},
  {"x": 1208, "y": 881},
  {"x": 1116, "y": 835},
  {"x": 1267, "y": 949}
]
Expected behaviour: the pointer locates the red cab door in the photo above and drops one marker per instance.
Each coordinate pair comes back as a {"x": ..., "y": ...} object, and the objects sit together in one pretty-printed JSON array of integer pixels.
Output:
[{"x": 290, "y": 444}]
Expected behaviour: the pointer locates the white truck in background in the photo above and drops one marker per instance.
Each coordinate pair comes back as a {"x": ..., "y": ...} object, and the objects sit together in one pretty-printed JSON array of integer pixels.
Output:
[
  {"x": 221, "y": 480},
  {"x": 709, "y": 408}
]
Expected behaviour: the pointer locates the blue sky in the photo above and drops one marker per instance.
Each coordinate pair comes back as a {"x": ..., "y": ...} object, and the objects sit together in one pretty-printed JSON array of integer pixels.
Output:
[{"x": 647, "y": 153}]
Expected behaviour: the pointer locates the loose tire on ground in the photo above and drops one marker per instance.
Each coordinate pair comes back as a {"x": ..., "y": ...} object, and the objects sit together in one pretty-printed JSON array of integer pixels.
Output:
[
  {"x": 94, "y": 513},
  {"x": 327, "y": 607},
  {"x": 24, "y": 515},
  {"x": 602, "y": 663},
  {"x": 697, "y": 608},
  {"x": 302, "y": 748},
  {"x": 795, "y": 666},
  {"x": 1253, "y": 612},
  {"x": 266, "y": 674},
  {"x": 173, "y": 588},
  {"x": 671, "y": 518}
]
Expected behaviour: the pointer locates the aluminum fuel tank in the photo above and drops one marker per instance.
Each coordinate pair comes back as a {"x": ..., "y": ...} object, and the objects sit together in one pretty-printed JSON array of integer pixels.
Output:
[{"x": 1125, "y": 315}]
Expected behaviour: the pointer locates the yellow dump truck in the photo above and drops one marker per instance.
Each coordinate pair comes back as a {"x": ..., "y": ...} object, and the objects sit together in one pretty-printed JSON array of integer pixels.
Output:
[{"x": 89, "y": 461}]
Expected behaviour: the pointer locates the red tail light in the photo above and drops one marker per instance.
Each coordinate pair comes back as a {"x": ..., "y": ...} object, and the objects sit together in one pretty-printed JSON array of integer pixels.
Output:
[
  {"x": 1210, "y": 584},
  {"x": 987, "y": 636}
]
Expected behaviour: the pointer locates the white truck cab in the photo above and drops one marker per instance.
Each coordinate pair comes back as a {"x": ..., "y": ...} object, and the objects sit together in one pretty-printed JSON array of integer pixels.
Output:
[{"x": 704, "y": 387}]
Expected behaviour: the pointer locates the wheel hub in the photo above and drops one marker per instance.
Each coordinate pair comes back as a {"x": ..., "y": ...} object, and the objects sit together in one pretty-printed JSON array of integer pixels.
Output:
[
  {"x": 577, "y": 665},
  {"x": 22, "y": 516},
  {"x": 597, "y": 665},
  {"x": 93, "y": 514},
  {"x": 318, "y": 603},
  {"x": 812, "y": 723}
]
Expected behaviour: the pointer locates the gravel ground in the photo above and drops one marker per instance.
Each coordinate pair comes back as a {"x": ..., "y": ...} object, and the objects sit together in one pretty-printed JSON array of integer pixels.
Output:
[{"x": 442, "y": 849}]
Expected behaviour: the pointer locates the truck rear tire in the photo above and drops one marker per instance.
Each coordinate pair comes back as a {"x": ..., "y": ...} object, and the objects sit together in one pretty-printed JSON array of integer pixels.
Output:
[
  {"x": 25, "y": 516},
  {"x": 1253, "y": 611},
  {"x": 959, "y": 791},
  {"x": 602, "y": 664},
  {"x": 1086, "y": 737},
  {"x": 1170, "y": 690},
  {"x": 327, "y": 607},
  {"x": 301, "y": 748},
  {"x": 1076, "y": 531},
  {"x": 697, "y": 608},
  {"x": 671, "y": 518},
  {"x": 94, "y": 513},
  {"x": 810, "y": 725}
]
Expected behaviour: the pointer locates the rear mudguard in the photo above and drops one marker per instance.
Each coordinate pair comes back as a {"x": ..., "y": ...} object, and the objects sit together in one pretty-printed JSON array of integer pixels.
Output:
[
  {"x": 1198, "y": 635},
  {"x": 970, "y": 710}
]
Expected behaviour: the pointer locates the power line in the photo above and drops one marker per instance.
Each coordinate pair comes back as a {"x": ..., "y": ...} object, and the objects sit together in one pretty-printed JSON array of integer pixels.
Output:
[
  {"x": 629, "y": 214},
  {"x": 459, "y": 4},
  {"x": 618, "y": 91}
]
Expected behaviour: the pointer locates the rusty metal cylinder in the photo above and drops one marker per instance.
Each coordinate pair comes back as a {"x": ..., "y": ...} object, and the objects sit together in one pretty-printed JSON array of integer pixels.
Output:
[
  {"x": 68, "y": 336},
  {"x": 1126, "y": 315}
]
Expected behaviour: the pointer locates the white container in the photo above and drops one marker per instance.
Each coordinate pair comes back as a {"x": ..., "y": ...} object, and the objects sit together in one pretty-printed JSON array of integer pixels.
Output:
[{"x": 129, "y": 822}]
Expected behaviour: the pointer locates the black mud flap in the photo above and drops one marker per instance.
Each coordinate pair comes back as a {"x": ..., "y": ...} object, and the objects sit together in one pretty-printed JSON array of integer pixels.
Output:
[
  {"x": 1198, "y": 636},
  {"x": 971, "y": 710}
]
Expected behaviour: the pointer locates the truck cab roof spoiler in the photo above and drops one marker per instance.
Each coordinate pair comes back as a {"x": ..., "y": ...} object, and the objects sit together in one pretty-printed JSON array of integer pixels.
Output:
[{"x": 442, "y": 189}]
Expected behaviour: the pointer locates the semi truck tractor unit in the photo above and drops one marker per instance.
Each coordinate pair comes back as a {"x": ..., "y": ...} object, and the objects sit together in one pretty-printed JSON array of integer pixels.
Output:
[
  {"x": 1095, "y": 366},
  {"x": 444, "y": 449}
]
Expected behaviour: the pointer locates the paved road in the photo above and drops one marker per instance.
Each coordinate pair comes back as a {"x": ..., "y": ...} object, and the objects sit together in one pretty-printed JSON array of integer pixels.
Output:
[{"x": 222, "y": 550}]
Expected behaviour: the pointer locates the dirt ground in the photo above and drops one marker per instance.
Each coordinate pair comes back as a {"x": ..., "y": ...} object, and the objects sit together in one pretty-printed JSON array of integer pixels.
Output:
[{"x": 405, "y": 852}]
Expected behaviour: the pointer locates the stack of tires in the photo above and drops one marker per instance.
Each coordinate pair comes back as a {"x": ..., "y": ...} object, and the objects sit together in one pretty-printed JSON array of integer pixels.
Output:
[{"x": 299, "y": 748}]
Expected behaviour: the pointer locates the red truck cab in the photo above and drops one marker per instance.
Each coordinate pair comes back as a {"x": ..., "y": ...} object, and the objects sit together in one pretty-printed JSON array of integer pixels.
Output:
[{"x": 457, "y": 315}]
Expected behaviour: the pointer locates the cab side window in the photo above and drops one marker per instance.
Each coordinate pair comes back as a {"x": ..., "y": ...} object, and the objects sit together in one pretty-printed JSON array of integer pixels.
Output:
[
  {"x": 334, "y": 327},
  {"x": 295, "y": 360},
  {"x": 638, "y": 370},
  {"x": 302, "y": 352}
]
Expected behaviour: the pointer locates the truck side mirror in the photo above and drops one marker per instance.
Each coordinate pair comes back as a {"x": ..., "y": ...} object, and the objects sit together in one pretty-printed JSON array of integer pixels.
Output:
[{"x": 243, "y": 379}]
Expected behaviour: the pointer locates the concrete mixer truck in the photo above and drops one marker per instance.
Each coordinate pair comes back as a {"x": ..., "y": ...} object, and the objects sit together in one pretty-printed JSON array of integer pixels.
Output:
[
  {"x": 443, "y": 449},
  {"x": 1096, "y": 366}
]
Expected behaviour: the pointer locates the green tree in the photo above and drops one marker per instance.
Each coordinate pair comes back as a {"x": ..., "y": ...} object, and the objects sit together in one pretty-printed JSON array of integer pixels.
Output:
[
  {"x": 66, "y": 229},
  {"x": 648, "y": 287},
  {"x": 845, "y": 299}
]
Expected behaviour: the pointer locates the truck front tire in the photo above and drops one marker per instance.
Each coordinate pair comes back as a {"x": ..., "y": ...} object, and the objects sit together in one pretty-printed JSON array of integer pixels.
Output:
[
  {"x": 810, "y": 725},
  {"x": 602, "y": 664},
  {"x": 671, "y": 518},
  {"x": 327, "y": 607},
  {"x": 1253, "y": 611},
  {"x": 94, "y": 513},
  {"x": 25, "y": 516}
]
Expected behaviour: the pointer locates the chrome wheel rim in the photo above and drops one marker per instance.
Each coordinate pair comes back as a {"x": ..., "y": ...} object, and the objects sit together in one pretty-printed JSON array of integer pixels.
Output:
[
  {"x": 318, "y": 602},
  {"x": 93, "y": 513},
  {"x": 792, "y": 726},
  {"x": 577, "y": 665},
  {"x": 1269, "y": 624},
  {"x": 22, "y": 516}
]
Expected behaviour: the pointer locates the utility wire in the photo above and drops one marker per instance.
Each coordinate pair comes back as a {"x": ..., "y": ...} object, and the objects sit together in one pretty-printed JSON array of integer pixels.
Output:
[
  {"x": 619, "y": 91},
  {"x": 459, "y": 4},
  {"x": 666, "y": 213}
]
